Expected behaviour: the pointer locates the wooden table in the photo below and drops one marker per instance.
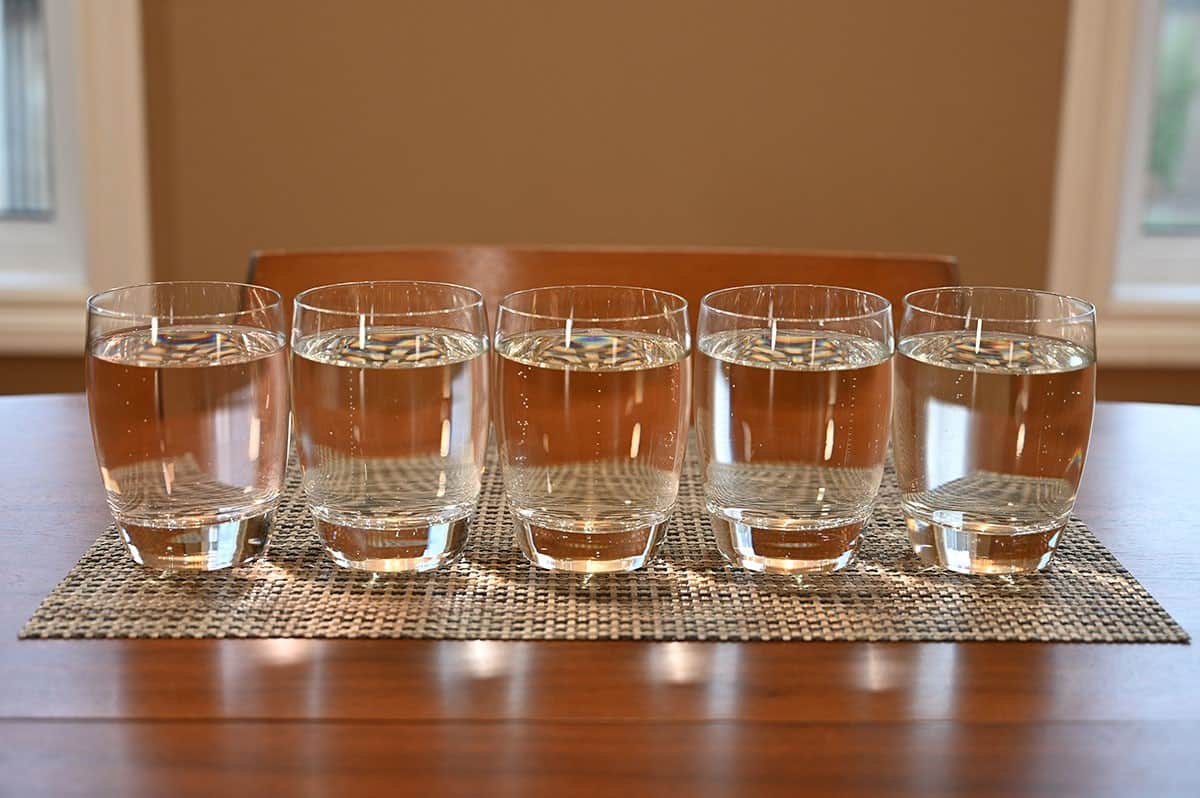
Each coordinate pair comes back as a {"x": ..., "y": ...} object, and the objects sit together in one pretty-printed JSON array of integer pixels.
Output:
[{"x": 481, "y": 718}]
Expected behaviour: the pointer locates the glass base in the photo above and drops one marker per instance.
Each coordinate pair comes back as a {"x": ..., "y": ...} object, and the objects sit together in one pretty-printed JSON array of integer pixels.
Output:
[
  {"x": 787, "y": 551},
  {"x": 209, "y": 547},
  {"x": 588, "y": 552},
  {"x": 395, "y": 550},
  {"x": 995, "y": 549}
]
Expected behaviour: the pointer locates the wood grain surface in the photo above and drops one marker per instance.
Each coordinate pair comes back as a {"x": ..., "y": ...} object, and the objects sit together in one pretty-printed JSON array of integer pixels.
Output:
[{"x": 314, "y": 717}]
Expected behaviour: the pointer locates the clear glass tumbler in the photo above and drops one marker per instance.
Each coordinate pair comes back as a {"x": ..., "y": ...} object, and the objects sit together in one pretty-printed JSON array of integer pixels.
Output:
[
  {"x": 390, "y": 397},
  {"x": 591, "y": 418},
  {"x": 793, "y": 400},
  {"x": 188, "y": 394},
  {"x": 995, "y": 389}
]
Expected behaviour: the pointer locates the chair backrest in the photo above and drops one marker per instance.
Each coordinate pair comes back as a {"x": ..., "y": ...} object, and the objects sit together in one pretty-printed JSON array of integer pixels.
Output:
[{"x": 496, "y": 270}]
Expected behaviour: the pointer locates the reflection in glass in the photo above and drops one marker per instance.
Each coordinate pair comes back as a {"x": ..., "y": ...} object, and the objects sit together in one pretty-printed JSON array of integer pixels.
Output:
[
  {"x": 591, "y": 421},
  {"x": 188, "y": 395},
  {"x": 793, "y": 399},
  {"x": 390, "y": 401},
  {"x": 994, "y": 396}
]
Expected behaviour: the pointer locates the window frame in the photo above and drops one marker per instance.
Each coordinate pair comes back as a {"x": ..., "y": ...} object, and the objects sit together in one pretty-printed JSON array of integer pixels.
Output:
[
  {"x": 99, "y": 234},
  {"x": 1107, "y": 50}
]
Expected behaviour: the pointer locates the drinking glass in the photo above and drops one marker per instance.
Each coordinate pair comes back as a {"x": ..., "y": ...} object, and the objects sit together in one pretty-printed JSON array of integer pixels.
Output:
[
  {"x": 994, "y": 397},
  {"x": 188, "y": 395},
  {"x": 390, "y": 396},
  {"x": 592, "y": 411},
  {"x": 793, "y": 400}
]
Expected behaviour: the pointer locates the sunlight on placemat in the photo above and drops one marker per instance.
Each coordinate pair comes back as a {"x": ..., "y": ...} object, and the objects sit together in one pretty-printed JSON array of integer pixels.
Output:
[{"x": 689, "y": 593}]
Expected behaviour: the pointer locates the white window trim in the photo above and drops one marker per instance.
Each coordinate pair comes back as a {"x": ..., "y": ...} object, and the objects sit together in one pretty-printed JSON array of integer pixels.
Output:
[
  {"x": 1090, "y": 189},
  {"x": 42, "y": 310}
]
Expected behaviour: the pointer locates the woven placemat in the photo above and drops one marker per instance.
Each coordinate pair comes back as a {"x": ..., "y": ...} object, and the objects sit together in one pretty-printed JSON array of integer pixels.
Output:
[{"x": 688, "y": 593}]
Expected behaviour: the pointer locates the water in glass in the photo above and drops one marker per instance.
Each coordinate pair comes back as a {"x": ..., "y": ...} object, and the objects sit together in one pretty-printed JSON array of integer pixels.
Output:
[
  {"x": 591, "y": 424},
  {"x": 991, "y": 434},
  {"x": 392, "y": 428},
  {"x": 793, "y": 430},
  {"x": 190, "y": 427}
]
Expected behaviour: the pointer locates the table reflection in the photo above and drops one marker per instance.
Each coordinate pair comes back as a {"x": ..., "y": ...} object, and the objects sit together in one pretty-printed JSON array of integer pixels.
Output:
[
  {"x": 482, "y": 677},
  {"x": 706, "y": 672}
]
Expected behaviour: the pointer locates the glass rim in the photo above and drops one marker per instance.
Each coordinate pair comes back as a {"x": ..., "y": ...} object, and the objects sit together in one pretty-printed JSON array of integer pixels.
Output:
[
  {"x": 476, "y": 302},
  {"x": 98, "y": 310},
  {"x": 502, "y": 307},
  {"x": 1087, "y": 309},
  {"x": 886, "y": 309}
]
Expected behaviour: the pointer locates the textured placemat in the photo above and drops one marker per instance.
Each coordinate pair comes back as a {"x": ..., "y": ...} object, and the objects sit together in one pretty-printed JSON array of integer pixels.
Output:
[{"x": 689, "y": 593}]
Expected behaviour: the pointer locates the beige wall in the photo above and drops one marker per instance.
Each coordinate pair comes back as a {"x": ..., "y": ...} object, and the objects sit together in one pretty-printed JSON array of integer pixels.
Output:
[
  {"x": 868, "y": 124},
  {"x": 872, "y": 124}
]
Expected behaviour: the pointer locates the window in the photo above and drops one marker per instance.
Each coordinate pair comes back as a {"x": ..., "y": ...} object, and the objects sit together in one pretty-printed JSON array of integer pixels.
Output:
[
  {"x": 1172, "y": 175},
  {"x": 73, "y": 215},
  {"x": 41, "y": 234},
  {"x": 25, "y": 190},
  {"x": 1127, "y": 210},
  {"x": 1159, "y": 255}
]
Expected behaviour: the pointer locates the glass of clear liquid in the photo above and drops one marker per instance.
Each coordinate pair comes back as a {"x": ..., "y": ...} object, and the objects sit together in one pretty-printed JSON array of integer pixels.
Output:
[
  {"x": 995, "y": 389},
  {"x": 187, "y": 390},
  {"x": 390, "y": 401},
  {"x": 591, "y": 418},
  {"x": 793, "y": 401}
]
